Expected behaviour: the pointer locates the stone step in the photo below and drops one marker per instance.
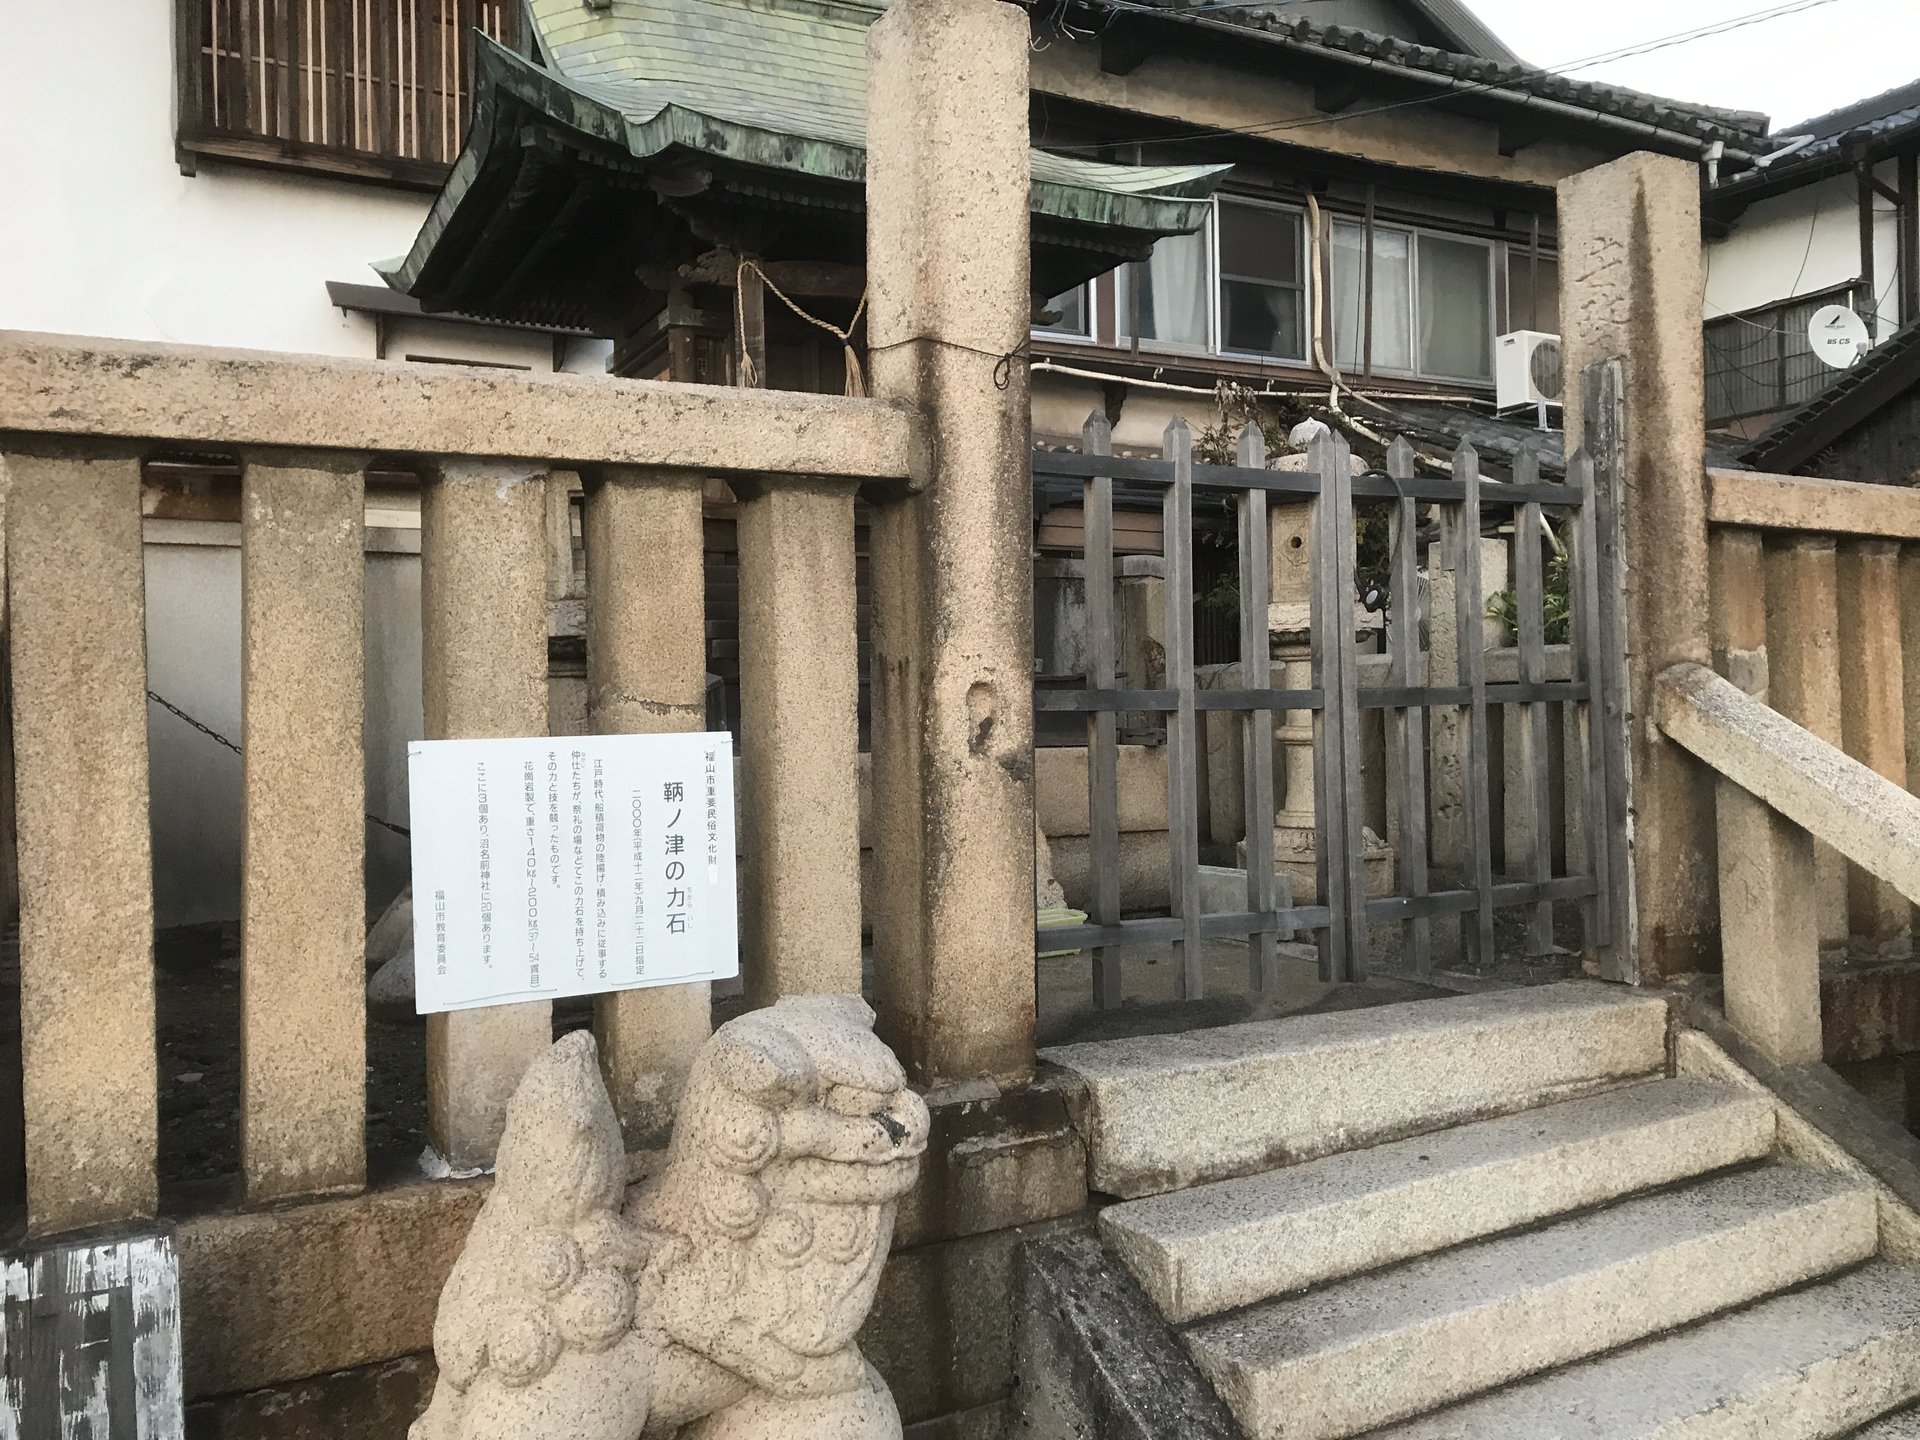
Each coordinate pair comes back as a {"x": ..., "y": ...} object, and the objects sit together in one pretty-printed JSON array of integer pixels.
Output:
[
  {"x": 1806, "y": 1366},
  {"x": 1161, "y": 1112},
  {"x": 1901, "y": 1425},
  {"x": 1216, "y": 1247},
  {"x": 1398, "y": 1342}
]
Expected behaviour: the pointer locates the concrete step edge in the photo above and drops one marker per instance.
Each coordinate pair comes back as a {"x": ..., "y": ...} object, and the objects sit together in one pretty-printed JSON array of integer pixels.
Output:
[
  {"x": 1812, "y": 1364},
  {"x": 1164, "y": 1112},
  {"x": 1382, "y": 1347},
  {"x": 1357, "y": 1211}
]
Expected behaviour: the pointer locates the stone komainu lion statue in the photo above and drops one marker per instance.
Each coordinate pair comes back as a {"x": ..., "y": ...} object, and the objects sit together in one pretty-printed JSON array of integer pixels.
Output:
[{"x": 719, "y": 1302}]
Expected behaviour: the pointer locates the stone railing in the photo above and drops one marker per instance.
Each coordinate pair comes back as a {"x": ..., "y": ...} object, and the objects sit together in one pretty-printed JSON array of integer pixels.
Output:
[
  {"x": 1815, "y": 613},
  {"x": 82, "y": 415},
  {"x": 1782, "y": 790}
]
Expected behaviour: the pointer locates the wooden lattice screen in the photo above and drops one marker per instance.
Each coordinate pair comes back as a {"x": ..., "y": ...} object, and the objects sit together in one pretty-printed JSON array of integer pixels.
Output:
[{"x": 380, "y": 88}]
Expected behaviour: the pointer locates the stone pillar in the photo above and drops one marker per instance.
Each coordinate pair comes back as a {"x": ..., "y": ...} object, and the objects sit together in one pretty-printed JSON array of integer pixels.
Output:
[
  {"x": 1803, "y": 670},
  {"x": 1873, "y": 707},
  {"x": 77, "y": 594},
  {"x": 947, "y": 248},
  {"x": 1772, "y": 980},
  {"x": 799, "y": 724},
  {"x": 303, "y": 1008},
  {"x": 1630, "y": 291},
  {"x": 483, "y": 644},
  {"x": 646, "y": 675}
]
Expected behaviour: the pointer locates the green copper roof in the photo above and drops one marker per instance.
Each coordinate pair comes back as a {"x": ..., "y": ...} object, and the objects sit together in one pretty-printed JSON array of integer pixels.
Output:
[
  {"x": 775, "y": 85},
  {"x": 747, "y": 78}
]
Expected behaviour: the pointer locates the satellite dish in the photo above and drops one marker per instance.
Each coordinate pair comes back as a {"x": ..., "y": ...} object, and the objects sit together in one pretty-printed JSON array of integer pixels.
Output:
[{"x": 1838, "y": 336}]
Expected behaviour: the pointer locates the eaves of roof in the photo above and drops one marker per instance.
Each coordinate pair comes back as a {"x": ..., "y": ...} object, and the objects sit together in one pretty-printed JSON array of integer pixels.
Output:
[
  {"x": 1467, "y": 31},
  {"x": 1830, "y": 154},
  {"x": 1886, "y": 372},
  {"x": 1665, "y": 123}
]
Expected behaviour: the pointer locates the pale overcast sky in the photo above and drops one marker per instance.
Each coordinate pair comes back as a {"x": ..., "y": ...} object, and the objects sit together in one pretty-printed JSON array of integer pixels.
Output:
[{"x": 1791, "y": 67}]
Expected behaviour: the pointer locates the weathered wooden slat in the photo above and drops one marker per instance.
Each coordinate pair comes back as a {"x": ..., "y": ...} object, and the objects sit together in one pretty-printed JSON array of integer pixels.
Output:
[
  {"x": 1604, "y": 385},
  {"x": 303, "y": 1039},
  {"x": 1535, "y": 797},
  {"x": 1473, "y": 675},
  {"x": 1091, "y": 702},
  {"x": 1263, "y": 962},
  {"x": 1590, "y": 772},
  {"x": 1337, "y": 476},
  {"x": 1103, "y": 775},
  {"x": 1183, "y": 805},
  {"x": 1407, "y": 732},
  {"x": 1330, "y": 638},
  {"x": 90, "y": 1342}
]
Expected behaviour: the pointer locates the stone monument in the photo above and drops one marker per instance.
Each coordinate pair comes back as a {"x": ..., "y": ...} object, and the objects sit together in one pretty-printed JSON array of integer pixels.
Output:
[{"x": 718, "y": 1301}]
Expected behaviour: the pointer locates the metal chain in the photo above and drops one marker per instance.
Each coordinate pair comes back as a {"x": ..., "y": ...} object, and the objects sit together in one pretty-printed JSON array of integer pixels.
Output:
[{"x": 219, "y": 739}]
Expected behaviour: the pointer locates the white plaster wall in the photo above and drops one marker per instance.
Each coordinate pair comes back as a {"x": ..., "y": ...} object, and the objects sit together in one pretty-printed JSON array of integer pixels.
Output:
[
  {"x": 100, "y": 233},
  {"x": 1800, "y": 244}
]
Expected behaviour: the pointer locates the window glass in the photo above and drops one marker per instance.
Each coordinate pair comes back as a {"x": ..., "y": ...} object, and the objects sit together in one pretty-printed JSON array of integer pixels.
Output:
[
  {"x": 1392, "y": 297},
  {"x": 1532, "y": 304},
  {"x": 1262, "y": 299},
  {"x": 1172, "y": 289},
  {"x": 1074, "y": 313},
  {"x": 1456, "y": 309}
]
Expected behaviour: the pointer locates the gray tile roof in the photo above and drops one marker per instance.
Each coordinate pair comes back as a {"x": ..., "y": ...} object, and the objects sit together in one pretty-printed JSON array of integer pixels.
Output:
[
  {"x": 1742, "y": 132},
  {"x": 1883, "y": 120}
]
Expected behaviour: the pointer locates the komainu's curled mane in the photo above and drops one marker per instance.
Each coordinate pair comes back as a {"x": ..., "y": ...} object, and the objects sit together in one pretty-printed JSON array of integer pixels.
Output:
[{"x": 719, "y": 1302}]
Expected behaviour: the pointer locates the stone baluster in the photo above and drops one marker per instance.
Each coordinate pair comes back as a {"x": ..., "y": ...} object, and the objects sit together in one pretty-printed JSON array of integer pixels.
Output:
[
  {"x": 799, "y": 723},
  {"x": 303, "y": 1027},
  {"x": 77, "y": 593},
  {"x": 647, "y": 674},
  {"x": 483, "y": 632}
]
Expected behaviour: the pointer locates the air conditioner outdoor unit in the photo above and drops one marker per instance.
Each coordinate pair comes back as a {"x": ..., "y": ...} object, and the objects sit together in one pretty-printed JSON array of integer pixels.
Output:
[{"x": 1526, "y": 370}]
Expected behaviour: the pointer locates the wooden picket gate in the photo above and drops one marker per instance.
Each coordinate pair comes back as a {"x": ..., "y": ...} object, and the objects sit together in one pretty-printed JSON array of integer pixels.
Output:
[{"x": 1342, "y": 688}]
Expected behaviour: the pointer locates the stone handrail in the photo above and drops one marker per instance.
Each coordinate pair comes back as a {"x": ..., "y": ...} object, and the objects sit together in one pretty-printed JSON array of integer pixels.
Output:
[
  {"x": 1779, "y": 789},
  {"x": 1866, "y": 817},
  {"x": 135, "y": 390},
  {"x": 1746, "y": 499}
]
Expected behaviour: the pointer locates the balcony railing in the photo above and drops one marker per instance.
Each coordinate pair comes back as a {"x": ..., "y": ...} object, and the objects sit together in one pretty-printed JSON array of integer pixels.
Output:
[{"x": 378, "y": 89}]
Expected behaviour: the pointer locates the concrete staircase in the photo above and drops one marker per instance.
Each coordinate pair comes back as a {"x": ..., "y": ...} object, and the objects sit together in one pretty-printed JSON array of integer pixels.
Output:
[{"x": 1489, "y": 1217}]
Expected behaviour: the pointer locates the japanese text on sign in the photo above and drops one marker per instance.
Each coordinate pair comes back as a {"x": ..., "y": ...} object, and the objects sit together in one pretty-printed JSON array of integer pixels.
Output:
[{"x": 566, "y": 866}]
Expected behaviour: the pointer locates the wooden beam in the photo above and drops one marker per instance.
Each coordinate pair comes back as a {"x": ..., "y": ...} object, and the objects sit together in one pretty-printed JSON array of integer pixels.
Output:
[
  {"x": 819, "y": 279},
  {"x": 1331, "y": 96},
  {"x": 1124, "y": 48},
  {"x": 1516, "y": 134},
  {"x": 1827, "y": 507},
  {"x": 1909, "y": 260}
]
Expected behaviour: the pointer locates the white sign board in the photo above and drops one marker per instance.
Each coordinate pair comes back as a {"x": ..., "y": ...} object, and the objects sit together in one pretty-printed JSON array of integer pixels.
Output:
[
  {"x": 570, "y": 866},
  {"x": 1838, "y": 336}
]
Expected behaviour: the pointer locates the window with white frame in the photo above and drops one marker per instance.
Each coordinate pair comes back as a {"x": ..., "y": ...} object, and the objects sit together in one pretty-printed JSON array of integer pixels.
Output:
[
  {"x": 1432, "y": 311},
  {"x": 1236, "y": 286}
]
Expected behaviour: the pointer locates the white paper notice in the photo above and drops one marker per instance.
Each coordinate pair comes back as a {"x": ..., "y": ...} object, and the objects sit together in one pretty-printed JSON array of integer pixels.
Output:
[{"x": 570, "y": 866}]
